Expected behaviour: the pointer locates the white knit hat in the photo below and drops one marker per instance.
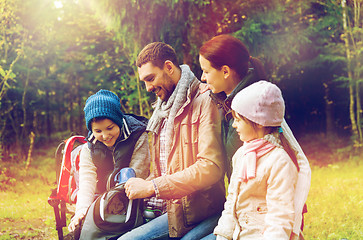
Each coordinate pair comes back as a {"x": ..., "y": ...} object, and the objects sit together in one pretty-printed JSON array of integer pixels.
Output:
[{"x": 261, "y": 103}]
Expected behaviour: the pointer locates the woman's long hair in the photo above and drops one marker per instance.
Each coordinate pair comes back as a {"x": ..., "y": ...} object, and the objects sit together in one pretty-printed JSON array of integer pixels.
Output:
[{"x": 227, "y": 50}]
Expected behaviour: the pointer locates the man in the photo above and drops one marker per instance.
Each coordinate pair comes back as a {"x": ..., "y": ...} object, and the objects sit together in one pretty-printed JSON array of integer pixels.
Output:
[{"x": 187, "y": 151}]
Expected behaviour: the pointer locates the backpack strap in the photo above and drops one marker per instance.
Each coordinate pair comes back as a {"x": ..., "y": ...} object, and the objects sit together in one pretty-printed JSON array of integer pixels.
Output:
[{"x": 65, "y": 172}]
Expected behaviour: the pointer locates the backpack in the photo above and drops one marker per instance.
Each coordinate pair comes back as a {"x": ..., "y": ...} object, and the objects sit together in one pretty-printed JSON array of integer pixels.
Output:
[
  {"x": 104, "y": 218},
  {"x": 113, "y": 214},
  {"x": 67, "y": 161}
]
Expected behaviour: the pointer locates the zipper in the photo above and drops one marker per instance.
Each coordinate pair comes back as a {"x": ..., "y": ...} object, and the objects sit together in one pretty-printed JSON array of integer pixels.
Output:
[{"x": 126, "y": 136}]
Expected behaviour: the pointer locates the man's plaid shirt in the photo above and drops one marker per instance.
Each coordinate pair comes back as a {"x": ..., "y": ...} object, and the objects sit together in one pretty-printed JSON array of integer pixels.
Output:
[{"x": 155, "y": 202}]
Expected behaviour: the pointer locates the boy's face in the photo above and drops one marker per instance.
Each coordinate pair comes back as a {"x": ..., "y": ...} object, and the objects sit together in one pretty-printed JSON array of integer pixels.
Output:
[
  {"x": 106, "y": 131},
  {"x": 156, "y": 80},
  {"x": 245, "y": 129}
]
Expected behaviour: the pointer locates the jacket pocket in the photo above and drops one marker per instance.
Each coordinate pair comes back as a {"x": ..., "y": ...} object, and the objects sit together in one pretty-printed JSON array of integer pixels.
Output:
[
  {"x": 261, "y": 208},
  {"x": 257, "y": 215},
  {"x": 175, "y": 215},
  {"x": 189, "y": 130},
  {"x": 203, "y": 204}
]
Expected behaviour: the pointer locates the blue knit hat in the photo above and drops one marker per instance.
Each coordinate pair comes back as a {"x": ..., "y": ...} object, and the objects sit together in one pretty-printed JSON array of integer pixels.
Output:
[{"x": 103, "y": 104}]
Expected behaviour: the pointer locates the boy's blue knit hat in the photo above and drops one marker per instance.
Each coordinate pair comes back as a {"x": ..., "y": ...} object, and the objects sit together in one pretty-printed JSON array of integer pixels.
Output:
[{"x": 105, "y": 104}]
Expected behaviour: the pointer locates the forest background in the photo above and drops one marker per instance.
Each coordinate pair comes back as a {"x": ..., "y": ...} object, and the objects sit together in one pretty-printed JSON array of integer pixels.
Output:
[{"x": 54, "y": 54}]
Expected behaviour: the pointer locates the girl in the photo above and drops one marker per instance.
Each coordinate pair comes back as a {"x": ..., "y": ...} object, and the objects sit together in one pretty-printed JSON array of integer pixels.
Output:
[
  {"x": 227, "y": 69},
  {"x": 260, "y": 201},
  {"x": 115, "y": 140}
]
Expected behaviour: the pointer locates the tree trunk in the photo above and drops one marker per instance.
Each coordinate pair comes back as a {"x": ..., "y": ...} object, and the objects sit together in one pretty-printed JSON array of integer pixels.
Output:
[
  {"x": 62, "y": 114},
  {"x": 187, "y": 58},
  {"x": 139, "y": 91},
  {"x": 2, "y": 147},
  {"x": 70, "y": 114},
  {"x": 24, "y": 106},
  {"x": 35, "y": 122},
  {"x": 357, "y": 70},
  {"x": 358, "y": 112},
  {"x": 329, "y": 114},
  {"x": 30, "y": 151},
  {"x": 80, "y": 114},
  {"x": 78, "y": 124},
  {"x": 47, "y": 116},
  {"x": 350, "y": 75},
  {"x": 47, "y": 108},
  {"x": 18, "y": 143}
]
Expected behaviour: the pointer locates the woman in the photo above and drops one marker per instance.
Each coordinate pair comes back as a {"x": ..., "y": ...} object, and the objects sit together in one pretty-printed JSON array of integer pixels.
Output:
[
  {"x": 225, "y": 62},
  {"x": 115, "y": 141}
]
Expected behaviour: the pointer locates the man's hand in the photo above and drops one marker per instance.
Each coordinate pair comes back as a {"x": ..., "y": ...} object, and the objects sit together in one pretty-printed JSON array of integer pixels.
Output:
[{"x": 139, "y": 188}]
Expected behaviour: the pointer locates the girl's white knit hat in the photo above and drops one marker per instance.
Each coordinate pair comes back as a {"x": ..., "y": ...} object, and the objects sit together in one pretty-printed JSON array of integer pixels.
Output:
[{"x": 261, "y": 103}]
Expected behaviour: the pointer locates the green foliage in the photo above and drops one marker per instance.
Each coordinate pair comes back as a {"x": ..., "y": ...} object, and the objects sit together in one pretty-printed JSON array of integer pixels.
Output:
[
  {"x": 54, "y": 57},
  {"x": 276, "y": 32},
  {"x": 10, "y": 53}
]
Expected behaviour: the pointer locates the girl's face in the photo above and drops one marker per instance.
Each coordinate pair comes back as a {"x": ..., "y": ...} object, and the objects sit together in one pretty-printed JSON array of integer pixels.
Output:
[
  {"x": 213, "y": 77},
  {"x": 106, "y": 131},
  {"x": 246, "y": 131}
]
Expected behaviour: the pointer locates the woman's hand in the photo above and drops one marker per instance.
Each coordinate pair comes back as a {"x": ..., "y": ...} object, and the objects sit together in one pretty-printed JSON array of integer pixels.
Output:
[{"x": 75, "y": 221}]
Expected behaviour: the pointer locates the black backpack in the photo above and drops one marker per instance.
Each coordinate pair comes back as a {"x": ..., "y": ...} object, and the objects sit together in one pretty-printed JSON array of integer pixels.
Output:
[{"x": 113, "y": 214}]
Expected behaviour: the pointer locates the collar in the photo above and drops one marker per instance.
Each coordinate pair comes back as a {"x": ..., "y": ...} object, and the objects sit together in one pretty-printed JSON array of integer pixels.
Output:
[
  {"x": 223, "y": 101},
  {"x": 191, "y": 94}
]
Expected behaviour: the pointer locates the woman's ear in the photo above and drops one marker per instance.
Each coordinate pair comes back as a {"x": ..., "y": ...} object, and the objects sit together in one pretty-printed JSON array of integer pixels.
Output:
[{"x": 226, "y": 71}]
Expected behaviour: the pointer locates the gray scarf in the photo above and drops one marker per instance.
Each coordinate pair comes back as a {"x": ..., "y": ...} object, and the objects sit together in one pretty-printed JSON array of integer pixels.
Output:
[{"x": 168, "y": 109}]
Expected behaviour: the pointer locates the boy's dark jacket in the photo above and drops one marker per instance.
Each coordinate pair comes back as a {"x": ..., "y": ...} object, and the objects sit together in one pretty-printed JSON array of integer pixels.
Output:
[{"x": 109, "y": 162}]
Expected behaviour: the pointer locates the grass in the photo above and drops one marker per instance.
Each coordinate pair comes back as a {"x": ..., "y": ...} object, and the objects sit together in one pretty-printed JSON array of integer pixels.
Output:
[
  {"x": 24, "y": 210},
  {"x": 335, "y": 200}
]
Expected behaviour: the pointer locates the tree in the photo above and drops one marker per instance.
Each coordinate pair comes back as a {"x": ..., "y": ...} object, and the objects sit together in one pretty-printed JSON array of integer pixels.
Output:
[
  {"x": 11, "y": 48},
  {"x": 353, "y": 40},
  {"x": 185, "y": 24}
]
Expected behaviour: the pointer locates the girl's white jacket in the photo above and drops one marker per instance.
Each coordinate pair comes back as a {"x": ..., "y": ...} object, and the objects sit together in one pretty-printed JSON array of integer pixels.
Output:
[{"x": 262, "y": 208}]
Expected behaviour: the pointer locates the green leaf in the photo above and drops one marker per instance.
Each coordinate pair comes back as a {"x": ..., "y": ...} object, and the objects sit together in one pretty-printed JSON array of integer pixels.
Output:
[{"x": 2, "y": 72}]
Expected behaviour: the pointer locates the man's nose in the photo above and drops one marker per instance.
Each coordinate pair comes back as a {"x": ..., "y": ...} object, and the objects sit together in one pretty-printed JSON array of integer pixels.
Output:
[{"x": 149, "y": 87}]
